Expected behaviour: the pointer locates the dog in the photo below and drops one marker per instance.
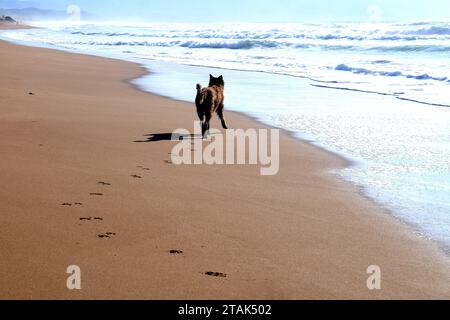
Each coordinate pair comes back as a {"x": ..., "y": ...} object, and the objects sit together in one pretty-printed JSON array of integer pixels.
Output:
[{"x": 211, "y": 100}]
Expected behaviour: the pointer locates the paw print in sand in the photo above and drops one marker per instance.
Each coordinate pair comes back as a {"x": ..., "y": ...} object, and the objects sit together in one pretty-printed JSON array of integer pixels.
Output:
[
  {"x": 216, "y": 274},
  {"x": 106, "y": 235}
]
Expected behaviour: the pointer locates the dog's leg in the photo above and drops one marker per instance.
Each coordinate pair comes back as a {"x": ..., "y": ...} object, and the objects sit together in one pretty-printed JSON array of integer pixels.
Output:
[
  {"x": 204, "y": 129},
  {"x": 221, "y": 116},
  {"x": 201, "y": 116},
  {"x": 206, "y": 126}
]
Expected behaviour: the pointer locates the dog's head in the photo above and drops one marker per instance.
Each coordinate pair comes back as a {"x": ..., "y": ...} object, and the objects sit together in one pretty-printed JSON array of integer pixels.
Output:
[{"x": 216, "y": 81}]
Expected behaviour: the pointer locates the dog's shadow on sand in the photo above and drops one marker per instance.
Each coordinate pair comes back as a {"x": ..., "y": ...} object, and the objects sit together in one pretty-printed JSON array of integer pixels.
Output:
[{"x": 157, "y": 137}]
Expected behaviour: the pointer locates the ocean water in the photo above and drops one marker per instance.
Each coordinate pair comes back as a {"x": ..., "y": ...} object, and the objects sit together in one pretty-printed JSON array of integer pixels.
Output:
[{"x": 376, "y": 93}]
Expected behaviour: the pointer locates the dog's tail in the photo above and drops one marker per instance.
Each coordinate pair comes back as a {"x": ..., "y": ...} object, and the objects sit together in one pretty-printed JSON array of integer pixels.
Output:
[{"x": 200, "y": 96}]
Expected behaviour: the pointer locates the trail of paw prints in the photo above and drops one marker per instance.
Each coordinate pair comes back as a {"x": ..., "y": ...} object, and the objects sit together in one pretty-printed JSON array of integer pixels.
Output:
[
  {"x": 98, "y": 194},
  {"x": 106, "y": 235},
  {"x": 139, "y": 176},
  {"x": 92, "y": 219}
]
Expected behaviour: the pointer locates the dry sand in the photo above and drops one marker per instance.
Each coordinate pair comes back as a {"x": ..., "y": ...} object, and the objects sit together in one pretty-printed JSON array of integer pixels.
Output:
[{"x": 302, "y": 234}]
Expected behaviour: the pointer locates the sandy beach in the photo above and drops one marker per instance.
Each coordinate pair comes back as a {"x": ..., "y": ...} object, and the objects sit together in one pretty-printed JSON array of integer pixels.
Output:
[
  {"x": 79, "y": 162},
  {"x": 12, "y": 26}
]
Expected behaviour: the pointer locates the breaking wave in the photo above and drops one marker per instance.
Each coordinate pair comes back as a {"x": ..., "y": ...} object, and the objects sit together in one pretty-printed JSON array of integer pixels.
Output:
[
  {"x": 434, "y": 30},
  {"x": 344, "y": 67},
  {"x": 250, "y": 44}
]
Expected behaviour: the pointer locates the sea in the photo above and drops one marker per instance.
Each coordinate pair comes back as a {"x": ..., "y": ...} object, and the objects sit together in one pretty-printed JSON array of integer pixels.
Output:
[{"x": 377, "y": 94}]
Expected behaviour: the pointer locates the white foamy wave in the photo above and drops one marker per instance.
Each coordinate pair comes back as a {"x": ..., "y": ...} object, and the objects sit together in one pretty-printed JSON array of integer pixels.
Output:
[
  {"x": 251, "y": 44},
  {"x": 414, "y": 54},
  {"x": 235, "y": 45}
]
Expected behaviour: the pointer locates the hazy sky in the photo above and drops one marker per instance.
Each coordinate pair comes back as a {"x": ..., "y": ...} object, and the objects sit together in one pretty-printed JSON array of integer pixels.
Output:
[{"x": 252, "y": 10}]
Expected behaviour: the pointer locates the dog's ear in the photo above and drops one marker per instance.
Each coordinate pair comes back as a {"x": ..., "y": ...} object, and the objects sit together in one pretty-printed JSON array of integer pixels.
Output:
[
  {"x": 221, "y": 78},
  {"x": 211, "y": 76}
]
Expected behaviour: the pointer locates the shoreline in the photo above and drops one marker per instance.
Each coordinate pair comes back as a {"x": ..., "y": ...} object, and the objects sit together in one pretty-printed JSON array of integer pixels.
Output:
[{"x": 324, "y": 187}]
